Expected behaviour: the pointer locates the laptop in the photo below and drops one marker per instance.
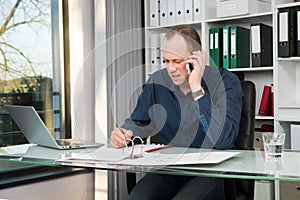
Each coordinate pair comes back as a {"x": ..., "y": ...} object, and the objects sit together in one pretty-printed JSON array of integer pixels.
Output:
[{"x": 36, "y": 131}]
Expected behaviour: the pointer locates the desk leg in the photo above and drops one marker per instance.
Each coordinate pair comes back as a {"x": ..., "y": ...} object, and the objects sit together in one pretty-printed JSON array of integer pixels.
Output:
[
  {"x": 117, "y": 187},
  {"x": 277, "y": 190}
]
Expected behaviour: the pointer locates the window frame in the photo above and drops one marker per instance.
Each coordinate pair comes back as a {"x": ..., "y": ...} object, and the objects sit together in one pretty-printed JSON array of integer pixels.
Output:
[{"x": 61, "y": 67}]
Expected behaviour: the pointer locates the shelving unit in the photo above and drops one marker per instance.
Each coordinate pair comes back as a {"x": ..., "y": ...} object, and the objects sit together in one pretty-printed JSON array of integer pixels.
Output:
[{"x": 287, "y": 85}]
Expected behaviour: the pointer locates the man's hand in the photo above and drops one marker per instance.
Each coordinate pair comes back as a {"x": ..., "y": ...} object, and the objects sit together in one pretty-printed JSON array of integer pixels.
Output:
[
  {"x": 198, "y": 60},
  {"x": 119, "y": 135}
]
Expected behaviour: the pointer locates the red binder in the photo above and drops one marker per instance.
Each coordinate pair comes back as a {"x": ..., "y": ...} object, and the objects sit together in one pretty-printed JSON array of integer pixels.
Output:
[{"x": 265, "y": 103}]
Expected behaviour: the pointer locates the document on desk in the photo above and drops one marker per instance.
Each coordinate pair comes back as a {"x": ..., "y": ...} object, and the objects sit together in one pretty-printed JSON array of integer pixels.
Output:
[
  {"x": 180, "y": 159},
  {"x": 15, "y": 149},
  {"x": 122, "y": 156}
]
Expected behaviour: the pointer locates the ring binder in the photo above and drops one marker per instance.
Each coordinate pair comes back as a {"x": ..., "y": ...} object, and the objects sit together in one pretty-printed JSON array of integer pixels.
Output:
[{"x": 132, "y": 155}]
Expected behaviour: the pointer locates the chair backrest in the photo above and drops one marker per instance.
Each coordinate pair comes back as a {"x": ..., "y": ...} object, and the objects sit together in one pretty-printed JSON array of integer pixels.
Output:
[
  {"x": 241, "y": 188},
  {"x": 247, "y": 123}
]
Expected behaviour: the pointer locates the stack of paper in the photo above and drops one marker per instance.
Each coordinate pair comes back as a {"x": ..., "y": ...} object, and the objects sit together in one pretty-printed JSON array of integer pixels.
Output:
[{"x": 122, "y": 156}]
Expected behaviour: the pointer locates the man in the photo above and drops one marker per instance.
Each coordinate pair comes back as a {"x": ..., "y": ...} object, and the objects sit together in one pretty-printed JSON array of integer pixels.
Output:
[{"x": 189, "y": 104}]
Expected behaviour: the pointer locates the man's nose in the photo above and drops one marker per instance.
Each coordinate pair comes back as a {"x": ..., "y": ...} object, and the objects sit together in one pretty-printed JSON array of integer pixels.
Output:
[{"x": 171, "y": 67}]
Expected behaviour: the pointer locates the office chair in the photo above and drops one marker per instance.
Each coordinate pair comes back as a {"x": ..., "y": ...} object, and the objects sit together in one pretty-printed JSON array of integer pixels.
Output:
[
  {"x": 235, "y": 189},
  {"x": 241, "y": 189}
]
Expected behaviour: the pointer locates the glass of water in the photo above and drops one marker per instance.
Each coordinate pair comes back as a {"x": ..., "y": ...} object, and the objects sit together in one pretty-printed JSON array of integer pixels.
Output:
[{"x": 273, "y": 145}]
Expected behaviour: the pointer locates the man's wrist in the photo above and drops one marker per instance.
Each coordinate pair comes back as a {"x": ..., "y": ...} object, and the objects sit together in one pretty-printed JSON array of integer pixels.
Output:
[{"x": 198, "y": 94}]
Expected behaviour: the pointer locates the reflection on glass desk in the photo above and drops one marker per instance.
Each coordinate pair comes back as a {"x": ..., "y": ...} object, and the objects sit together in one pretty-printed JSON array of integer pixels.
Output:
[{"x": 248, "y": 164}]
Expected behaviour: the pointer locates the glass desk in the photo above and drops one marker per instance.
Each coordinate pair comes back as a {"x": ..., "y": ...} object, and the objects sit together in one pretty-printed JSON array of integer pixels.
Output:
[{"x": 245, "y": 165}]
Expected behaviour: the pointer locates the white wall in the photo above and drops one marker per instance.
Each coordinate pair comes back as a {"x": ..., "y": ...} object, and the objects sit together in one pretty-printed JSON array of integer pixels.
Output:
[
  {"x": 82, "y": 70},
  {"x": 100, "y": 72}
]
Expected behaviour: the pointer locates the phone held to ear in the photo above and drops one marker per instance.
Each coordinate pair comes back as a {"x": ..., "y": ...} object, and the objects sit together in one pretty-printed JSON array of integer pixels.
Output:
[{"x": 189, "y": 67}]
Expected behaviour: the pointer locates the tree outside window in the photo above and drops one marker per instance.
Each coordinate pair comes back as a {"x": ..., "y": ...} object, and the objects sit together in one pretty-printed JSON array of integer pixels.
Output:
[{"x": 26, "y": 72}]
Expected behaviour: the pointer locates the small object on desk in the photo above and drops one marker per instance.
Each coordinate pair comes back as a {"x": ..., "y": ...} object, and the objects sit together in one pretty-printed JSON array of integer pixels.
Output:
[
  {"x": 273, "y": 145},
  {"x": 133, "y": 155},
  {"x": 157, "y": 148}
]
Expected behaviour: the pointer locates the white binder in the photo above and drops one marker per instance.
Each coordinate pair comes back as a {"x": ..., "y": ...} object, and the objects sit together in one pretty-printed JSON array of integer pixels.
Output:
[
  {"x": 163, "y": 12},
  {"x": 197, "y": 10},
  {"x": 188, "y": 14},
  {"x": 295, "y": 137},
  {"x": 171, "y": 12},
  {"x": 153, "y": 13},
  {"x": 154, "y": 53},
  {"x": 179, "y": 11},
  {"x": 162, "y": 61}
]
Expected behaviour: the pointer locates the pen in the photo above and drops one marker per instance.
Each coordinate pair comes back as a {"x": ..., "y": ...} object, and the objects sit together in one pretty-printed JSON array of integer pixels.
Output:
[
  {"x": 120, "y": 130},
  {"x": 157, "y": 148},
  {"x": 125, "y": 139}
]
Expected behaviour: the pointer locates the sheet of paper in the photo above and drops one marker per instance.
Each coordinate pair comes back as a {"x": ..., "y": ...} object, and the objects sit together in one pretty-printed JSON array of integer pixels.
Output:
[
  {"x": 121, "y": 156},
  {"x": 16, "y": 149},
  {"x": 102, "y": 154},
  {"x": 180, "y": 159}
]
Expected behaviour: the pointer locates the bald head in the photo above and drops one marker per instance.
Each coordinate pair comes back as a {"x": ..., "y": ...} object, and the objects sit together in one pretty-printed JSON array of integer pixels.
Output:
[{"x": 188, "y": 33}]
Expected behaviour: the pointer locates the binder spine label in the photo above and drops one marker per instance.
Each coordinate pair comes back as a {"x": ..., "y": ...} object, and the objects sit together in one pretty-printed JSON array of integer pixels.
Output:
[
  {"x": 233, "y": 41},
  {"x": 225, "y": 44},
  {"x": 283, "y": 27},
  {"x": 255, "y": 42}
]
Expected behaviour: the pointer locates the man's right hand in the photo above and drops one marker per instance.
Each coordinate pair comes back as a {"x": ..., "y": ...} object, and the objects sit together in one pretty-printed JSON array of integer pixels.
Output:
[{"x": 119, "y": 135}]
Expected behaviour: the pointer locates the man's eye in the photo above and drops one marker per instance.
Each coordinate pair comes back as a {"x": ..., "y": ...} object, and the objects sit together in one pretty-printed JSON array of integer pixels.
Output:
[{"x": 178, "y": 61}]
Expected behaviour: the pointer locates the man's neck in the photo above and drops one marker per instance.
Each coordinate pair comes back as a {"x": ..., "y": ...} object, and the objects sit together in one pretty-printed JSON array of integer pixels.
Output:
[{"x": 185, "y": 88}]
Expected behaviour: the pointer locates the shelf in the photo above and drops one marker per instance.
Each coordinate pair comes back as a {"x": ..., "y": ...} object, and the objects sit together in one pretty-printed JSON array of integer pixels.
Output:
[
  {"x": 288, "y": 119},
  {"x": 264, "y": 117},
  {"x": 241, "y": 17},
  {"x": 288, "y": 113},
  {"x": 251, "y": 69},
  {"x": 294, "y": 59},
  {"x": 171, "y": 25},
  {"x": 286, "y": 5},
  {"x": 289, "y": 107}
]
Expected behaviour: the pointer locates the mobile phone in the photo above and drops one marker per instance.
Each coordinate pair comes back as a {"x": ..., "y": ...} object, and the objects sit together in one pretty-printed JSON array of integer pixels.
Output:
[{"x": 189, "y": 67}]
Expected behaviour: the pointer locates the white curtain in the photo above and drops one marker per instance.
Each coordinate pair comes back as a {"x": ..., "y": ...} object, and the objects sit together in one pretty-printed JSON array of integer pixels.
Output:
[
  {"x": 124, "y": 57},
  {"x": 125, "y": 73}
]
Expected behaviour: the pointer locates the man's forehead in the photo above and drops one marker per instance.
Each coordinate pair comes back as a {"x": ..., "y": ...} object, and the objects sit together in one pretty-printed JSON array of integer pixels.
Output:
[
  {"x": 174, "y": 40},
  {"x": 175, "y": 45},
  {"x": 172, "y": 54}
]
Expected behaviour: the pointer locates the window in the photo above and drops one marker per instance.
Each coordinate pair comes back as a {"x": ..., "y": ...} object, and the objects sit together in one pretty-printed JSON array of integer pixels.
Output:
[{"x": 30, "y": 69}]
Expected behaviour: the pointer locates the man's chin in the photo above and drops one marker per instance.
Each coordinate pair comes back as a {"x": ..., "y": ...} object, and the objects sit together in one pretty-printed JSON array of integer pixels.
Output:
[
  {"x": 179, "y": 80},
  {"x": 177, "y": 83}
]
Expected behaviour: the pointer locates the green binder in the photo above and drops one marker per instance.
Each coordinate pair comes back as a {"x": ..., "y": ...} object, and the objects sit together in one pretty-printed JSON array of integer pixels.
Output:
[
  {"x": 218, "y": 47},
  {"x": 211, "y": 47},
  {"x": 239, "y": 47},
  {"x": 226, "y": 47}
]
